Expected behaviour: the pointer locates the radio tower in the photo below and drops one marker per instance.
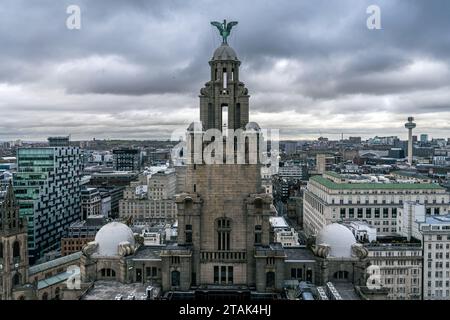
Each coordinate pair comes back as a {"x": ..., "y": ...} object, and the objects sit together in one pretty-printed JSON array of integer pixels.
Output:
[{"x": 410, "y": 125}]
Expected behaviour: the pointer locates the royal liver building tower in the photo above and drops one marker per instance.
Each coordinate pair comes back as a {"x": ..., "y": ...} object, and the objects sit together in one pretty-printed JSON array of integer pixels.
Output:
[
  {"x": 225, "y": 244},
  {"x": 223, "y": 215}
]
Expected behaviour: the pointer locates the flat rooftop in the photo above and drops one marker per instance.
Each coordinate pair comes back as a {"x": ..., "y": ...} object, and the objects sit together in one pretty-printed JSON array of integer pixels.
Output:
[
  {"x": 330, "y": 184},
  {"x": 346, "y": 290},
  {"x": 444, "y": 219},
  {"x": 108, "y": 290}
]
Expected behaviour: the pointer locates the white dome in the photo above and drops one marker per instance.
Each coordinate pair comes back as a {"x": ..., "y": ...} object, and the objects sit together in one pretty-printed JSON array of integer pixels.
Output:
[
  {"x": 339, "y": 238},
  {"x": 252, "y": 126},
  {"x": 110, "y": 236}
]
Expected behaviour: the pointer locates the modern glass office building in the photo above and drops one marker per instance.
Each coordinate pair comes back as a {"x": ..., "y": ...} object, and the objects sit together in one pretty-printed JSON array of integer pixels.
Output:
[{"x": 47, "y": 186}]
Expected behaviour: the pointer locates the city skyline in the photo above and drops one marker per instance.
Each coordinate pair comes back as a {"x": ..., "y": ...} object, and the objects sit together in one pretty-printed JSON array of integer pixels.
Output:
[{"x": 313, "y": 69}]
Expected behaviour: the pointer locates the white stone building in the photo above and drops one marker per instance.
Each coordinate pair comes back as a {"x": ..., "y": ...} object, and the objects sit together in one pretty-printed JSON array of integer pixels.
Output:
[{"x": 333, "y": 197}]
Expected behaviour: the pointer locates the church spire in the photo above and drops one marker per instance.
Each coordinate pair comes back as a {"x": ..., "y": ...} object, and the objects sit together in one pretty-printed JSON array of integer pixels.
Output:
[{"x": 10, "y": 221}]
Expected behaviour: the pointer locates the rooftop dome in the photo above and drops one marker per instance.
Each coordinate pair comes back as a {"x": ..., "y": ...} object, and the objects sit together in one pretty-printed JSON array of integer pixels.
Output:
[
  {"x": 252, "y": 126},
  {"x": 196, "y": 126},
  {"x": 224, "y": 52},
  {"x": 339, "y": 238},
  {"x": 110, "y": 236}
]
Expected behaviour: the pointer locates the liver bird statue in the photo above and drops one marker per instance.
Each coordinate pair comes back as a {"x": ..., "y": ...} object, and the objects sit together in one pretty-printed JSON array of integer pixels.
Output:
[{"x": 224, "y": 28}]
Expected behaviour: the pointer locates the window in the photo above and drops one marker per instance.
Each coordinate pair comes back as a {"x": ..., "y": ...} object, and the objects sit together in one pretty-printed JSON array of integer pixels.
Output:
[
  {"x": 385, "y": 213},
  {"x": 107, "y": 273},
  {"x": 230, "y": 275},
  {"x": 17, "y": 279},
  {"x": 351, "y": 213},
  {"x": 270, "y": 279},
  {"x": 342, "y": 213},
  {"x": 258, "y": 234},
  {"x": 377, "y": 212},
  {"x": 297, "y": 273},
  {"x": 16, "y": 249},
  {"x": 216, "y": 274},
  {"x": 175, "y": 277},
  {"x": 394, "y": 213},
  {"x": 188, "y": 233},
  {"x": 341, "y": 275},
  {"x": 223, "y": 234},
  {"x": 368, "y": 213},
  {"x": 360, "y": 213},
  {"x": 223, "y": 275}
]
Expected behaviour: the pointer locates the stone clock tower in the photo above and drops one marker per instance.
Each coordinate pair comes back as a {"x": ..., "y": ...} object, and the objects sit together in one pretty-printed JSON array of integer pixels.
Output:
[{"x": 223, "y": 215}]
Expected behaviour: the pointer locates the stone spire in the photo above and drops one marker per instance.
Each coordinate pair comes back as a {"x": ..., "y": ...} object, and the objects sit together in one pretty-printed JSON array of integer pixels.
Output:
[{"x": 10, "y": 221}]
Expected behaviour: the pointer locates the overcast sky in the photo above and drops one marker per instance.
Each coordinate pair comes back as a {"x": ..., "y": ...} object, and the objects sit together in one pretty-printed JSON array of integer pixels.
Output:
[{"x": 135, "y": 68}]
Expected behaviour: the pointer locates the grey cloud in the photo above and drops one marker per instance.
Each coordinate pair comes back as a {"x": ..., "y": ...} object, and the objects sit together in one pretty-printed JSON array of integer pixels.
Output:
[{"x": 337, "y": 67}]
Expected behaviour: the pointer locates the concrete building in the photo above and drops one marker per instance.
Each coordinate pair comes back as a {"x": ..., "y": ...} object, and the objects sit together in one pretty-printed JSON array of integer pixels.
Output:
[
  {"x": 162, "y": 185},
  {"x": 293, "y": 171},
  {"x": 80, "y": 233},
  {"x": 91, "y": 203},
  {"x": 282, "y": 233},
  {"x": 47, "y": 187},
  {"x": 151, "y": 198},
  {"x": 362, "y": 231},
  {"x": 323, "y": 162},
  {"x": 436, "y": 253},
  {"x": 334, "y": 197},
  {"x": 127, "y": 160},
  {"x": 399, "y": 269}
]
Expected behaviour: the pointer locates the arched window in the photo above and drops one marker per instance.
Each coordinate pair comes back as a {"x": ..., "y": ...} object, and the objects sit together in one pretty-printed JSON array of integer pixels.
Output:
[
  {"x": 17, "y": 279},
  {"x": 270, "y": 279},
  {"x": 175, "y": 278},
  {"x": 45, "y": 296},
  {"x": 16, "y": 249},
  {"x": 223, "y": 226}
]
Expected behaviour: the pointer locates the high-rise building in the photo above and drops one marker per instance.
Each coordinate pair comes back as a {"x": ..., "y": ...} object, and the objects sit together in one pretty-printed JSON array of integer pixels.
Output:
[
  {"x": 127, "y": 159},
  {"x": 47, "y": 187},
  {"x": 424, "y": 138}
]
